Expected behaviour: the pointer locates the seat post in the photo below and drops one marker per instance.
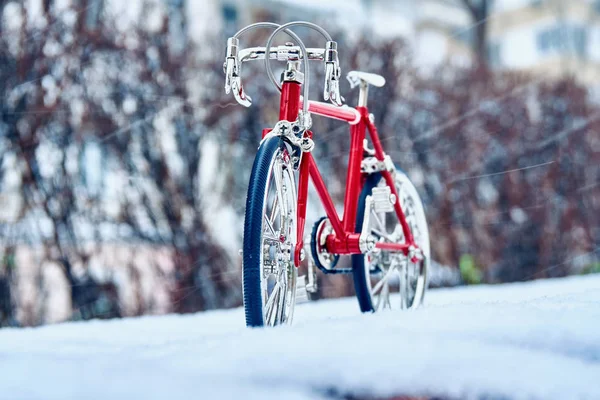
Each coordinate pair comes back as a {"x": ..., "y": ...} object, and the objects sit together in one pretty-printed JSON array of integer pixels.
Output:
[
  {"x": 363, "y": 94},
  {"x": 363, "y": 80}
]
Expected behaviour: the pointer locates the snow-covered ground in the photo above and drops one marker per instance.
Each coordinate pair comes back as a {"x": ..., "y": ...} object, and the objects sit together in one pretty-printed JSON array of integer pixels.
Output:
[{"x": 537, "y": 340}]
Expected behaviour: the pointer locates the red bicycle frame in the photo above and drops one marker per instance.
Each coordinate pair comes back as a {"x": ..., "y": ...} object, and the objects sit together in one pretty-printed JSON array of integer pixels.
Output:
[{"x": 345, "y": 239}]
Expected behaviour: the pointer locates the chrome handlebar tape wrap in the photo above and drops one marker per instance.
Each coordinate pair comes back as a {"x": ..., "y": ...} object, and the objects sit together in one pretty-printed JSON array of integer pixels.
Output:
[
  {"x": 233, "y": 45},
  {"x": 331, "y": 53}
]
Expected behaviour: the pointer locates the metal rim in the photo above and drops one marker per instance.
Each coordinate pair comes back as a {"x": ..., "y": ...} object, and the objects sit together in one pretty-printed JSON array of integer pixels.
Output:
[
  {"x": 278, "y": 238},
  {"x": 391, "y": 277},
  {"x": 325, "y": 258}
]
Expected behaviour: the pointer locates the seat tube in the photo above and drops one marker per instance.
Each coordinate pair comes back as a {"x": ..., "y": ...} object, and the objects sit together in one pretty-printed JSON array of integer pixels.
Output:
[{"x": 353, "y": 177}]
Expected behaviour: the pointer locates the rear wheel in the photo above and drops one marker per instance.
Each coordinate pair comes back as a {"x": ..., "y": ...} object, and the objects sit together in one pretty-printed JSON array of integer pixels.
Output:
[
  {"x": 384, "y": 279},
  {"x": 269, "y": 273}
]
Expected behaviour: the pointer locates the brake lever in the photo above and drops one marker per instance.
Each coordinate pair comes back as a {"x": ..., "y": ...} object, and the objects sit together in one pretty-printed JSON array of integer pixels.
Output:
[
  {"x": 229, "y": 69},
  {"x": 238, "y": 92},
  {"x": 233, "y": 79},
  {"x": 331, "y": 91}
]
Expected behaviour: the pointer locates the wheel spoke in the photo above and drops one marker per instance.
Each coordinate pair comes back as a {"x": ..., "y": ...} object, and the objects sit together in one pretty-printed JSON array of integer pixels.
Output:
[
  {"x": 270, "y": 311},
  {"x": 281, "y": 297},
  {"x": 383, "y": 280},
  {"x": 383, "y": 235},
  {"x": 274, "y": 210},
  {"x": 270, "y": 300},
  {"x": 399, "y": 233},
  {"x": 277, "y": 202},
  {"x": 404, "y": 286},
  {"x": 268, "y": 236},
  {"x": 381, "y": 225},
  {"x": 276, "y": 313},
  {"x": 410, "y": 278},
  {"x": 378, "y": 303},
  {"x": 269, "y": 225},
  {"x": 385, "y": 293},
  {"x": 278, "y": 177}
]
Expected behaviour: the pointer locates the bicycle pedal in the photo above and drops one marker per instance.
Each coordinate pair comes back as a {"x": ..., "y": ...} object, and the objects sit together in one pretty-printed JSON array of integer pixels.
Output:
[
  {"x": 383, "y": 199},
  {"x": 301, "y": 292}
]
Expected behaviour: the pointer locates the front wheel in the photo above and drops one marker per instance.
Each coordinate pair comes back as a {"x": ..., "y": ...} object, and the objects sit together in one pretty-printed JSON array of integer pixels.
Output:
[
  {"x": 269, "y": 273},
  {"x": 385, "y": 279}
]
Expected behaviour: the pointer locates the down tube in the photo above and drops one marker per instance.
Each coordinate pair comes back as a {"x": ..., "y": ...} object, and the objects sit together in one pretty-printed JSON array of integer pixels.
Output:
[
  {"x": 321, "y": 189},
  {"x": 353, "y": 178},
  {"x": 308, "y": 167}
]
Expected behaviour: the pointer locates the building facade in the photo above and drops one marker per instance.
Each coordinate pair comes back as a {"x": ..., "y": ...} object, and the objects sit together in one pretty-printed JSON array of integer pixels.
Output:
[
  {"x": 553, "y": 37},
  {"x": 382, "y": 17}
]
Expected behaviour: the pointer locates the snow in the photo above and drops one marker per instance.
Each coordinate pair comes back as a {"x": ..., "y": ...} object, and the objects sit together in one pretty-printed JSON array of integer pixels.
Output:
[{"x": 530, "y": 340}]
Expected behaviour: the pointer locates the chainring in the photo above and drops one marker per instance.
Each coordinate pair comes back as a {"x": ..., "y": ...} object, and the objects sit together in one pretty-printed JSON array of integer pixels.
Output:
[{"x": 323, "y": 259}]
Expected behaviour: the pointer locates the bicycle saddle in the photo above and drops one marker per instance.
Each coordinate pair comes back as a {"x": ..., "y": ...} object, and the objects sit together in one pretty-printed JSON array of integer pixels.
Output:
[{"x": 358, "y": 77}]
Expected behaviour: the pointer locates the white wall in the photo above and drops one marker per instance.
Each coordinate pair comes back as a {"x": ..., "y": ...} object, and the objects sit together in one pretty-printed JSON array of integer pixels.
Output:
[
  {"x": 431, "y": 48},
  {"x": 384, "y": 18},
  {"x": 391, "y": 19},
  {"x": 442, "y": 12},
  {"x": 508, "y": 5},
  {"x": 594, "y": 44},
  {"x": 204, "y": 18},
  {"x": 518, "y": 47}
]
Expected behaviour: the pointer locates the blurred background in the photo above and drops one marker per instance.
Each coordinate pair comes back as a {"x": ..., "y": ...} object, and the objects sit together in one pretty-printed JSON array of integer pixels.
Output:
[{"x": 124, "y": 166}]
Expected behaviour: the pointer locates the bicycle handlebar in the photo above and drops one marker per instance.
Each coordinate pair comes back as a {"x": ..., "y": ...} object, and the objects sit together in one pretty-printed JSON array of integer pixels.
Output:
[
  {"x": 281, "y": 53},
  {"x": 236, "y": 56}
]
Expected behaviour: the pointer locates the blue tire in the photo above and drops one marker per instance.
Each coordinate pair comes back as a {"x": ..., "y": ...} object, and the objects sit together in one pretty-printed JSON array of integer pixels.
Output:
[
  {"x": 253, "y": 245},
  {"x": 358, "y": 260}
]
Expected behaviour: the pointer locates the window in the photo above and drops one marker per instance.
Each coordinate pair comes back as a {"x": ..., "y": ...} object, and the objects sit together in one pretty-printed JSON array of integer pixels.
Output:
[
  {"x": 368, "y": 4},
  {"x": 493, "y": 54},
  {"x": 230, "y": 19},
  {"x": 549, "y": 39},
  {"x": 464, "y": 35},
  {"x": 229, "y": 13},
  {"x": 92, "y": 15},
  {"x": 536, "y": 3},
  {"x": 579, "y": 37},
  {"x": 563, "y": 39}
]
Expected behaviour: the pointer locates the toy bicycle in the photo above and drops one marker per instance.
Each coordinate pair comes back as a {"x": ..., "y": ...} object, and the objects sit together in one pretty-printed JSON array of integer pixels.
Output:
[{"x": 383, "y": 228}]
